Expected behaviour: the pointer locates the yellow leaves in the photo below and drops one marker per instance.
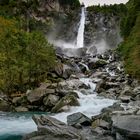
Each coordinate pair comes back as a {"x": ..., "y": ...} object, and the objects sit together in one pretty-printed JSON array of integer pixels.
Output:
[
  {"x": 7, "y": 25},
  {"x": 2, "y": 57}
]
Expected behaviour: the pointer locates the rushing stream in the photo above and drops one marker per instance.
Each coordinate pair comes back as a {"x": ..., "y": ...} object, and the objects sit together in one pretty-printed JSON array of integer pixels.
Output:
[
  {"x": 14, "y": 125},
  {"x": 90, "y": 103}
]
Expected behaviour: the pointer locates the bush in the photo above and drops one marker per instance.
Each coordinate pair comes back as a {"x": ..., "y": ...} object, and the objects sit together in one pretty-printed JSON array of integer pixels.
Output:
[{"x": 25, "y": 58}]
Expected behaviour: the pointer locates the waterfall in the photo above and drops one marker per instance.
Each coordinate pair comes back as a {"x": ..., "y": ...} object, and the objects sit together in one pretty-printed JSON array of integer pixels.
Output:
[{"x": 80, "y": 36}]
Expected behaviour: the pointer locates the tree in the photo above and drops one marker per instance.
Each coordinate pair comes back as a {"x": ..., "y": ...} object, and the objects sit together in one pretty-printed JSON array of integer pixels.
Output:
[{"x": 25, "y": 58}]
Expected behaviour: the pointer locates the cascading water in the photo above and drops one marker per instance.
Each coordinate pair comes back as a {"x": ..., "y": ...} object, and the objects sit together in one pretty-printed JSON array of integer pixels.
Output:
[
  {"x": 90, "y": 104},
  {"x": 80, "y": 35},
  {"x": 13, "y": 127}
]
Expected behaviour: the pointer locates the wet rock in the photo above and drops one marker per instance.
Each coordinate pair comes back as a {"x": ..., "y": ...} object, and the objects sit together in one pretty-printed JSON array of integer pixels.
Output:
[
  {"x": 115, "y": 107},
  {"x": 128, "y": 126},
  {"x": 68, "y": 100},
  {"x": 21, "y": 109},
  {"x": 78, "y": 118},
  {"x": 51, "y": 129},
  {"x": 51, "y": 100},
  {"x": 83, "y": 67}
]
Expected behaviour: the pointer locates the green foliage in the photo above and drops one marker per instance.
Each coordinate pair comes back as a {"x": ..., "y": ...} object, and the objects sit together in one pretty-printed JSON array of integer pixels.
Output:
[
  {"x": 72, "y": 3},
  {"x": 25, "y": 58},
  {"x": 128, "y": 21},
  {"x": 109, "y": 9},
  {"x": 130, "y": 47}
]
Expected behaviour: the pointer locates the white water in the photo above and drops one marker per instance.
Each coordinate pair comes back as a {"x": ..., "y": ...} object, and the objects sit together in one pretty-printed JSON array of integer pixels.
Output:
[
  {"x": 90, "y": 104},
  {"x": 80, "y": 36},
  {"x": 15, "y": 125}
]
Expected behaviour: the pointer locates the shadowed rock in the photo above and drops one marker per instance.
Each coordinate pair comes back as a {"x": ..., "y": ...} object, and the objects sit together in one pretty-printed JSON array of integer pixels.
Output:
[
  {"x": 51, "y": 129},
  {"x": 128, "y": 126}
]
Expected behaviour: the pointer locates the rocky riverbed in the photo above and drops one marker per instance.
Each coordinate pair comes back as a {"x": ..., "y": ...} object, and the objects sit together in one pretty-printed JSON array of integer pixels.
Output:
[{"x": 98, "y": 81}]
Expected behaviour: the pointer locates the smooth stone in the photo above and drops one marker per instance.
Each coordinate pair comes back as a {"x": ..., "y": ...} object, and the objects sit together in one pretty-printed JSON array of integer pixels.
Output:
[
  {"x": 21, "y": 109},
  {"x": 50, "y": 128},
  {"x": 127, "y": 125},
  {"x": 78, "y": 118}
]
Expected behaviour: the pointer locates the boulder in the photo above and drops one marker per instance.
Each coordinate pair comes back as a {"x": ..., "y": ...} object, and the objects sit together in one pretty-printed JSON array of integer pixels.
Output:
[
  {"x": 37, "y": 94},
  {"x": 96, "y": 63},
  {"x": 52, "y": 129},
  {"x": 126, "y": 91},
  {"x": 67, "y": 71},
  {"x": 125, "y": 99},
  {"x": 59, "y": 69},
  {"x": 62, "y": 92},
  {"x": 128, "y": 126},
  {"x": 4, "y": 105},
  {"x": 78, "y": 118},
  {"x": 91, "y": 50},
  {"x": 21, "y": 109},
  {"x": 20, "y": 100},
  {"x": 137, "y": 90},
  {"x": 101, "y": 86},
  {"x": 72, "y": 84},
  {"x": 51, "y": 100},
  {"x": 83, "y": 67},
  {"x": 68, "y": 100}
]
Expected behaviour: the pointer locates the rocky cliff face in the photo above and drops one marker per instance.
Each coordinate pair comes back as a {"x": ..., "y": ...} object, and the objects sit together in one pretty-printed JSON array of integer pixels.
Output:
[
  {"x": 102, "y": 31},
  {"x": 62, "y": 17}
]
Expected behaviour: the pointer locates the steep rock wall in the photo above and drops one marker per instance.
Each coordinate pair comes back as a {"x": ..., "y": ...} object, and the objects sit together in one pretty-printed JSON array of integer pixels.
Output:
[{"x": 102, "y": 31}]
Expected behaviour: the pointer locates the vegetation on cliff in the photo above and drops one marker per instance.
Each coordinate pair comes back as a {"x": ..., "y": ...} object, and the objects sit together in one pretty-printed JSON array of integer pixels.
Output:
[
  {"x": 129, "y": 15},
  {"x": 116, "y": 9},
  {"x": 130, "y": 30},
  {"x": 25, "y": 54}
]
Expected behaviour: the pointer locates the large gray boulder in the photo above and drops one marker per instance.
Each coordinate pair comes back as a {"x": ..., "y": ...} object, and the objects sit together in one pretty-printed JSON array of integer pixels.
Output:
[
  {"x": 78, "y": 118},
  {"x": 51, "y": 100},
  {"x": 72, "y": 84},
  {"x": 128, "y": 126},
  {"x": 52, "y": 129},
  {"x": 68, "y": 100},
  {"x": 96, "y": 63},
  {"x": 37, "y": 94}
]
